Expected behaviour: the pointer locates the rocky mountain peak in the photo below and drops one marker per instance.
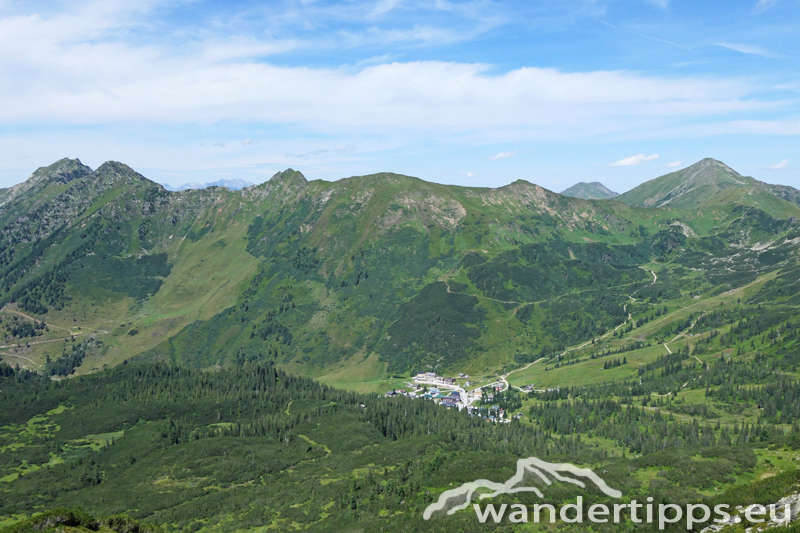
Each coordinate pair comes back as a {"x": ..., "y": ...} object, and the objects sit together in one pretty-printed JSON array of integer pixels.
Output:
[
  {"x": 62, "y": 171},
  {"x": 690, "y": 187},
  {"x": 710, "y": 170},
  {"x": 288, "y": 176},
  {"x": 114, "y": 171}
]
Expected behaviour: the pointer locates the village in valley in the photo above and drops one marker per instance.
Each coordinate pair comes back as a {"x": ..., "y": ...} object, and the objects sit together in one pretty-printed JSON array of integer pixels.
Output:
[{"x": 489, "y": 401}]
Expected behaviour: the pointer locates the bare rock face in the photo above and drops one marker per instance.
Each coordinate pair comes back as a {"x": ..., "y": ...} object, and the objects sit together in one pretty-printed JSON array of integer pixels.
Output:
[
  {"x": 57, "y": 195},
  {"x": 61, "y": 172}
]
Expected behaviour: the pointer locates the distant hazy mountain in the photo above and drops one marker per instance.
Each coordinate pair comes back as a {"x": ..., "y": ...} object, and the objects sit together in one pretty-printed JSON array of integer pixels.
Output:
[
  {"x": 233, "y": 185},
  {"x": 709, "y": 182},
  {"x": 590, "y": 191}
]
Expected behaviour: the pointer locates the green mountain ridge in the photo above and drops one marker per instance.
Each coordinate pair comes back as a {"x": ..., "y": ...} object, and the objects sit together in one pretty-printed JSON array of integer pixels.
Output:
[
  {"x": 710, "y": 182},
  {"x": 363, "y": 278},
  {"x": 590, "y": 191}
]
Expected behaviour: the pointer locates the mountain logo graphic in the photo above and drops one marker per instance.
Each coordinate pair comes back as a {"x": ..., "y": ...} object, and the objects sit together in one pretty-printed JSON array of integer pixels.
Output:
[{"x": 529, "y": 471}]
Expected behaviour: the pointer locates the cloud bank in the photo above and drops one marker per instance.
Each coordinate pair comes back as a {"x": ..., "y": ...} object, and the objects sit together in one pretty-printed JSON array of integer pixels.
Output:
[
  {"x": 71, "y": 69},
  {"x": 254, "y": 87}
]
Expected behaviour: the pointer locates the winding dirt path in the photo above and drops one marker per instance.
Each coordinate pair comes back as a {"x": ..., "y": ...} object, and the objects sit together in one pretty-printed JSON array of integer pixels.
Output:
[
  {"x": 72, "y": 334},
  {"x": 20, "y": 357},
  {"x": 34, "y": 319},
  {"x": 41, "y": 342},
  {"x": 50, "y": 324}
]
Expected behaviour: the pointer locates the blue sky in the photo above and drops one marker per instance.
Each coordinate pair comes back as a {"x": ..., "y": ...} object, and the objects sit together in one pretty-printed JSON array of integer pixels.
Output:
[{"x": 472, "y": 93}]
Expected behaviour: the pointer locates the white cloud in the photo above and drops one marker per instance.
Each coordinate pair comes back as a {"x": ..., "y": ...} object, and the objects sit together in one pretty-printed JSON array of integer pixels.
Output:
[
  {"x": 90, "y": 85},
  {"x": 763, "y": 5},
  {"x": 502, "y": 155},
  {"x": 663, "y": 4},
  {"x": 467, "y": 174},
  {"x": 780, "y": 166},
  {"x": 65, "y": 69},
  {"x": 82, "y": 68},
  {"x": 634, "y": 160},
  {"x": 384, "y": 6},
  {"x": 675, "y": 164},
  {"x": 747, "y": 49}
]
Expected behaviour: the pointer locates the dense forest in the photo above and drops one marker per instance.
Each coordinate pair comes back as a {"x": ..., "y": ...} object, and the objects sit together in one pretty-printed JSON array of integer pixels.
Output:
[{"x": 251, "y": 445}]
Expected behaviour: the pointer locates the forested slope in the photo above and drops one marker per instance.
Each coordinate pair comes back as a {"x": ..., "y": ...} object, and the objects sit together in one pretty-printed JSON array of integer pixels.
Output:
[{"x": 252, "y": 446}]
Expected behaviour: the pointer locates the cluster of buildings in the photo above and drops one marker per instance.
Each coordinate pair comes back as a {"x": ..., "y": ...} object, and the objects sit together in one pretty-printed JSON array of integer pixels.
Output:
[
  {"x": 450, "y": 395},
  {"x": 445, "y": 392},
  {"x": 401, "y": 392},
  {"x": 431, "y": 376},
  {"x": 450, "y": 399}
]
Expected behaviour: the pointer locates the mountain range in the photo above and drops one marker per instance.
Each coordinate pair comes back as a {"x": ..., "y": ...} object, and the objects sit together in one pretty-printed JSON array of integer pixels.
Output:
[{"x": 366, "y": 277}]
